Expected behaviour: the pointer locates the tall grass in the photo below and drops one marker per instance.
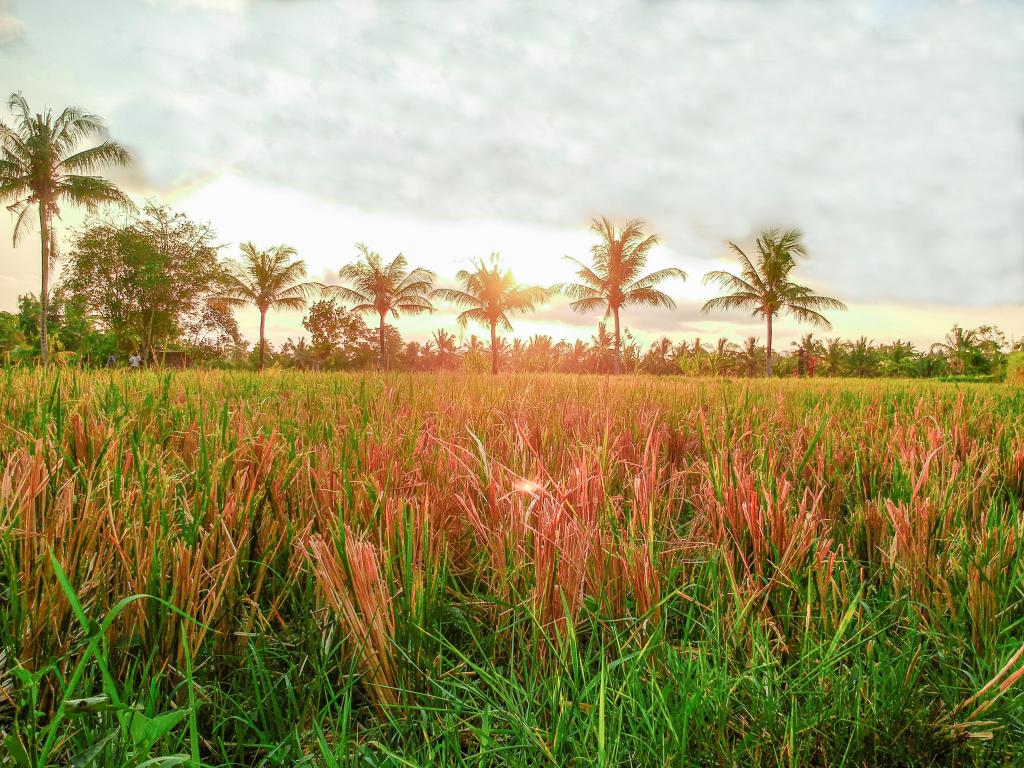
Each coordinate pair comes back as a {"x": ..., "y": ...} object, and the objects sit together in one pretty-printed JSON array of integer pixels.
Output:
[{"x": 301, "y": 569}]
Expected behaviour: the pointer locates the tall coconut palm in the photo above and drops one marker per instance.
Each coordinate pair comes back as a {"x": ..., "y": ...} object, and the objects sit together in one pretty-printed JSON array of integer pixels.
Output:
[
  {"x": 41, "y": 167},
  {"x": 385, "y": 289},
  {"x": 267, "y": 279},
  {"x": 614, "y": 280},
  {"x": 492, "y": 296},
  {"x": 764, "y": 286}
]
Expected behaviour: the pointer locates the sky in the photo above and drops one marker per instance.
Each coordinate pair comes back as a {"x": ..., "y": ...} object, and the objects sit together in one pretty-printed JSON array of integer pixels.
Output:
[{"x": 890, "y": 132}]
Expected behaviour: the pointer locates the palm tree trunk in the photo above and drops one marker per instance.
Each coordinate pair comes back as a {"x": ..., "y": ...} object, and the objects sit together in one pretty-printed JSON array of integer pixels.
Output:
[
  {"x": 44, "y": 293},
  {"x": 263, "y": 338},
  {"x": 148, "y": 353},
  {"x": 380, "y": 341},
  {"x": 494, "y": 347},
  {"x": 618, "y": 343},
  {"x": 768, "y": 348}
]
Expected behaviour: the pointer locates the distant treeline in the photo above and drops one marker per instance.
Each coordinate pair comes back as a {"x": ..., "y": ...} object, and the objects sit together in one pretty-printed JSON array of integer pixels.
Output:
[{"x": 340, "y": 340}]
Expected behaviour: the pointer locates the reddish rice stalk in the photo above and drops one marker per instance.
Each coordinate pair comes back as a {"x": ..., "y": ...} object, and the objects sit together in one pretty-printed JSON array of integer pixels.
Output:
[{"x": 356, "y": 589}]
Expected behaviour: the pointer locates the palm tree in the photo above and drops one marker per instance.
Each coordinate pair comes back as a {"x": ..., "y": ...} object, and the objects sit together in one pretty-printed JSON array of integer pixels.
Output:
[
  {"x": 958, "y": 347},
  {"x": 39, "y": 166},
  {"x": 475, "y": 345},
  {"x": 658, "y": 358},
  {"x": 717, "y": 362},
  {"x": 447, "y": 349},
  {"x": 575, "y": 356},
  {"x": 834, "y": 355},
  {"x": 765, "y": 287},
  {"x": 267, "y": 280},
  {"x": 540, "y": 353},
  {"x": 492, "y": 296},
  {"x": 805, "y": 349},
  {"x": 385, "y": 288},
  {"x": 603, "y": 348},
  {"x": 614, "y": 280},
  {"x": 748, "y": 359},
  {"x": 861, "y": 357},
  {"x": 898, "y": 357}
]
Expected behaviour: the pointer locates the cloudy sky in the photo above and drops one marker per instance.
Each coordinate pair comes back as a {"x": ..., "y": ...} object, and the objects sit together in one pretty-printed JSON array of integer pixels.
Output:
[{"x": 891, "y": 132}]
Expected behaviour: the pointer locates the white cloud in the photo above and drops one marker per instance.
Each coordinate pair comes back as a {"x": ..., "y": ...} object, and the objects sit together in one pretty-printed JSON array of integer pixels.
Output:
[
  {"x": 232, "y": 6},
  {"x": 11, "y": 27},
  {"x": 893, "y": 137},
  {"x": 892, "y": 133}
]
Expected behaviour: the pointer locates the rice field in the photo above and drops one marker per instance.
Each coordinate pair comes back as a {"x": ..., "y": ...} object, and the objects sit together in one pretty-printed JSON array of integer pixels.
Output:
[{"x": 328, "y": 570}]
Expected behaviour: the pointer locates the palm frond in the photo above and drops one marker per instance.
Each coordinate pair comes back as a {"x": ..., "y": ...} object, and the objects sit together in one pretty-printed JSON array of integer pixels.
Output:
[
  {"x": 648, "y": 297},
  {"x": 658, "y": 276},
  {"x": 806, "y": 315},
  {"x": 578, "y": 291},
  {"x": 732, "y": 302},
  {"x": 525, "y": 299},
  {"x": 93, "y": 159},
  {"x": 729, "y": 281},
  {"x": 589, "y": 304},
  {"x": 346, "y": 295},
  {"x": 92, "y": 191},
  {"x": 454, "y": 296}
]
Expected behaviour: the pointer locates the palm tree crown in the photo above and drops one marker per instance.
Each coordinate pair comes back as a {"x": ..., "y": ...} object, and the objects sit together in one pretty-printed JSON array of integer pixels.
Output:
[
  {"x": 385, "y": 288},
  {"x": 492, "y": 296},
  {"x": 764, "y": 286},
  {"x": 41, "y": 166},
  {"x": 267, "y": 279},
  {"x": 957, "y": 347},
  {"x": 614, "y": 279}
]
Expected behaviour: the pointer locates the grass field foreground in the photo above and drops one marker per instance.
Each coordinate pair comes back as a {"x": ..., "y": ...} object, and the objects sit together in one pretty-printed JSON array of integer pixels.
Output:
[{"x": 331, "y": 570}]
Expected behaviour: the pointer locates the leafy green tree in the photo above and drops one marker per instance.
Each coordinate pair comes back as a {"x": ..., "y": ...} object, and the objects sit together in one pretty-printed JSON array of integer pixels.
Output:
[
  {"x": 212, "y": 332},
  {"x": 11, "y": 336},
  {"x": 384, "y": 289},
  {"x": 764, "y": 286},
  {"x": 991, "y": 349},
  {"x": 29, "y": 314},
  {"x": 42, "y": 166},
  {"x": 492, "y": 296},
  {"x": 148, "y": 280},
  {"x": 76, "y": 326},
  {"x": 614, "y": 279},
  {"x": 267, "y": 279},
  {"x": 339, "y": 337},
  {"x": 897, "y": 358}
]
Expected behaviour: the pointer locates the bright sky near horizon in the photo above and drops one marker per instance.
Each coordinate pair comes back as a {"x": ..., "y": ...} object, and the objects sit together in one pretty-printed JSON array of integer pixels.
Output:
[{"x": 891, "y": 132}]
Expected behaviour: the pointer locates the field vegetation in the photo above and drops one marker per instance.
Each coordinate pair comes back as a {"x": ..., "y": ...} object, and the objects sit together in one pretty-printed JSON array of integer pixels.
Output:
[{"x": 279, "y": 569}]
